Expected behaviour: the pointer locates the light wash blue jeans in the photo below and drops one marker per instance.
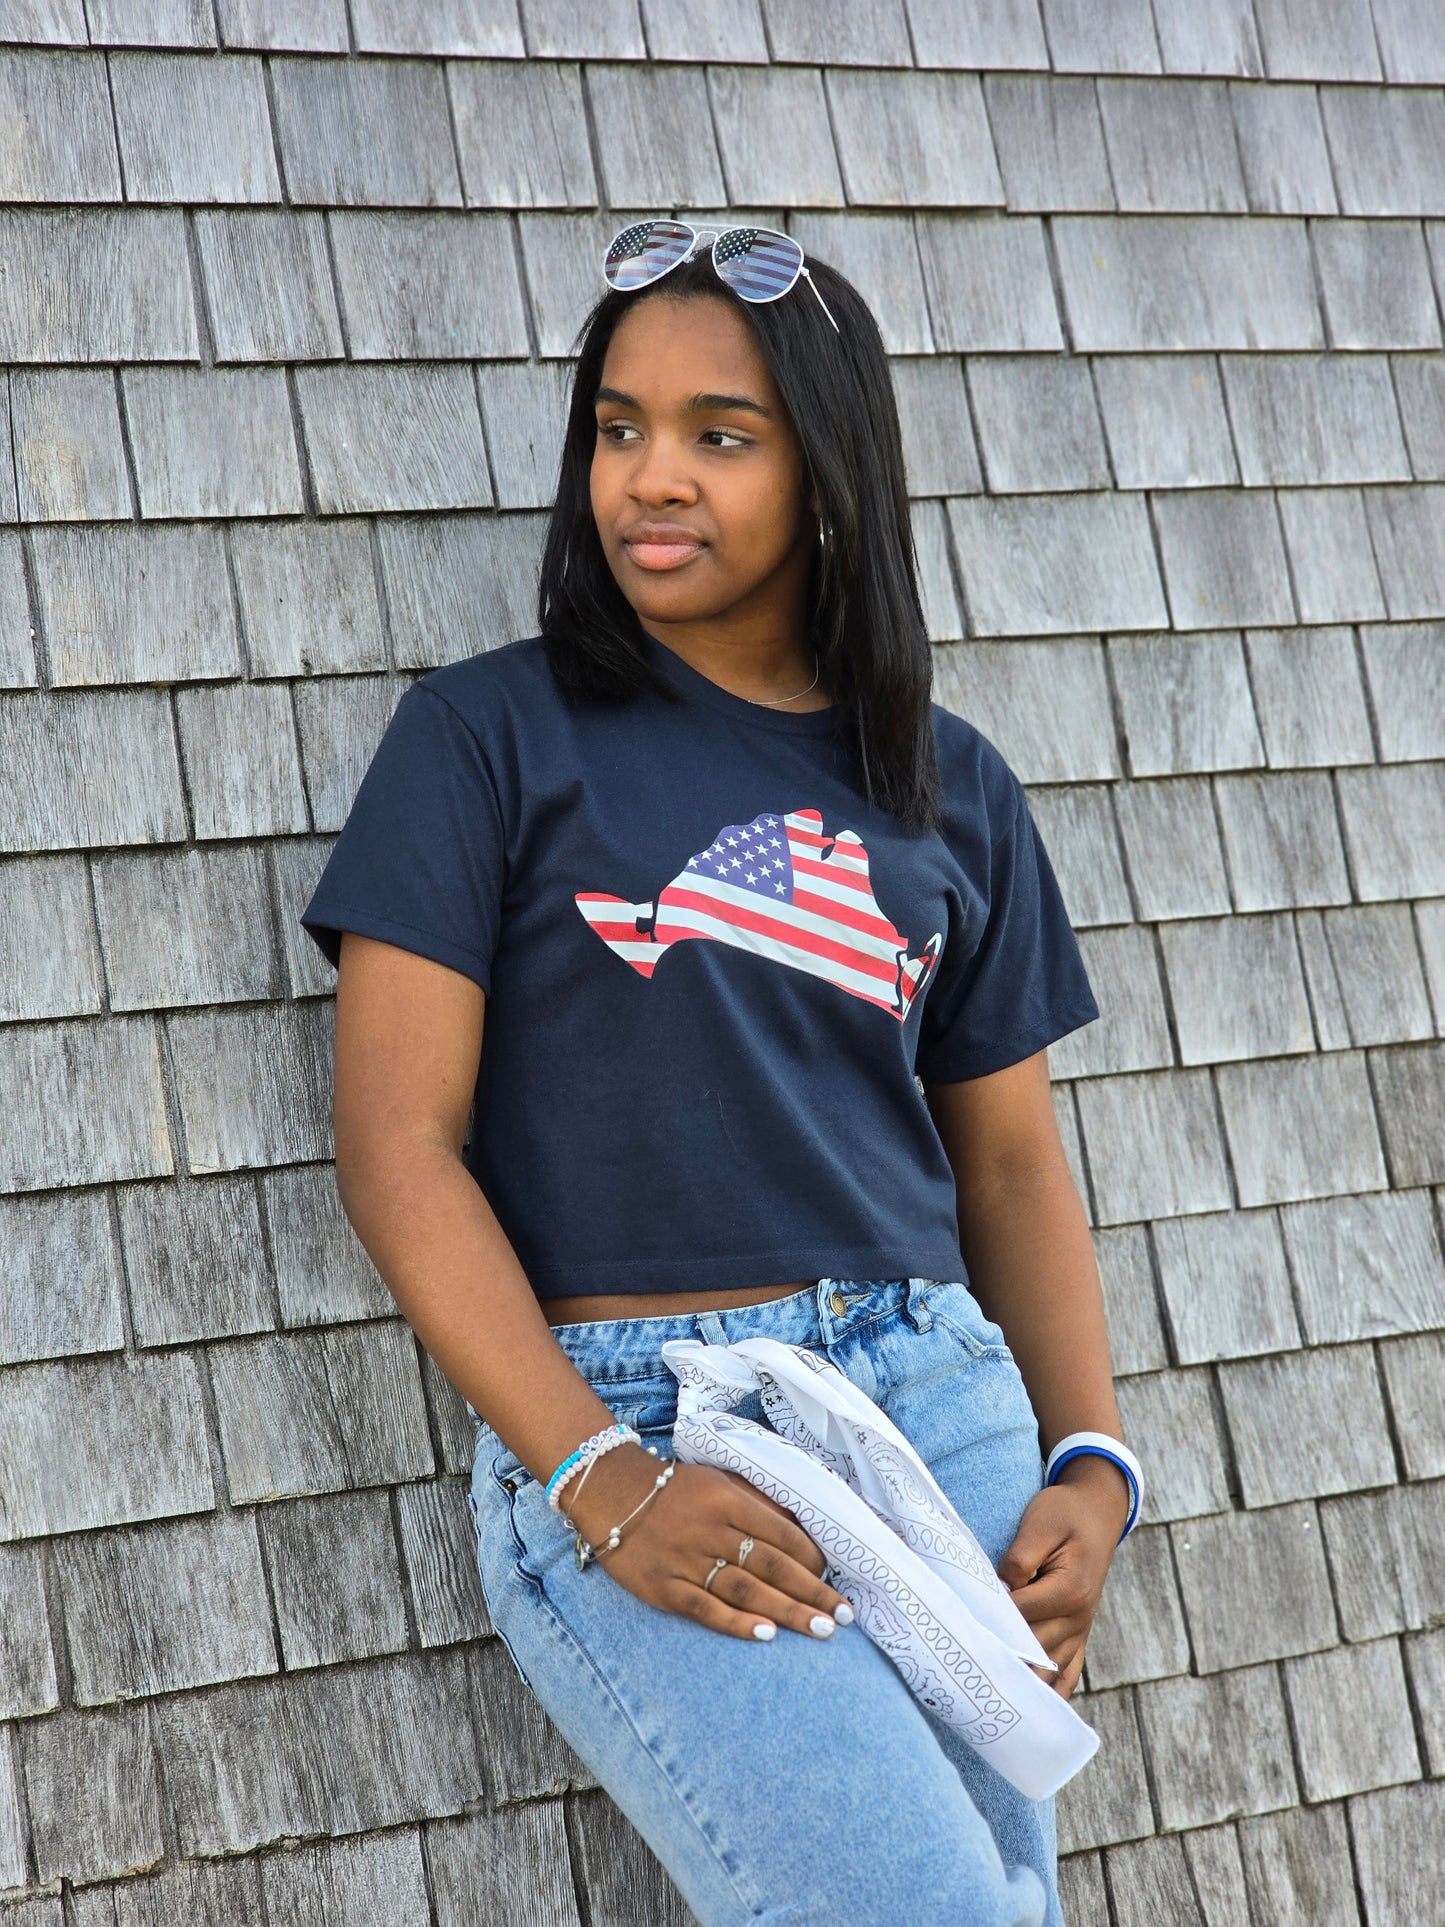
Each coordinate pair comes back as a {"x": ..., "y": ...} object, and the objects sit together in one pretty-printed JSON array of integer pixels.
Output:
[{"x": 795, "y": 1782}]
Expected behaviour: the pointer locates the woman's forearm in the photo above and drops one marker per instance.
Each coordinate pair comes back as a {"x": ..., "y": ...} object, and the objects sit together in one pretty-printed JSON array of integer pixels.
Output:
[
  {"x": 450, "y": 1267},
  {"x": 1026, "y": 1242}
]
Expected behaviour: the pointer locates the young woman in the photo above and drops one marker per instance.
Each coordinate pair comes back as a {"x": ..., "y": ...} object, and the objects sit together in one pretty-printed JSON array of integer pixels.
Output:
[{"x": 767, "y": 953}]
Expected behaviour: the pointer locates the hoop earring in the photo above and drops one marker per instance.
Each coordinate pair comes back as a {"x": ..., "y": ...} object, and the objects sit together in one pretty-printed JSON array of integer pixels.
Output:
[{"x": 822, "y": 536}]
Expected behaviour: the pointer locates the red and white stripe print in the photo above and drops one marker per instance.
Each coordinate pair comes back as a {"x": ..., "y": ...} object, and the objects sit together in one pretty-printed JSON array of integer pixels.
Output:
[{"x": 810, "y": 907}]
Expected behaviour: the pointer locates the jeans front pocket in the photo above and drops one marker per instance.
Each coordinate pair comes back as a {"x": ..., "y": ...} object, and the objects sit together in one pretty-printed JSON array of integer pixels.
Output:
[{"x": 955, "y": 1308}]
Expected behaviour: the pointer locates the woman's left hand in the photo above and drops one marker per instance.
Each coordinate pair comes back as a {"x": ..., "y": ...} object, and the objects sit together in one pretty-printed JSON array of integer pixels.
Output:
[{"x": 1060, "y": 1555}]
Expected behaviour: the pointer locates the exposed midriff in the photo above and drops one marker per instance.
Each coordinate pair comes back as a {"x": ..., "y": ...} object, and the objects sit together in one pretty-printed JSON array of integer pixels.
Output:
[{"x": 661, "y": 1304}]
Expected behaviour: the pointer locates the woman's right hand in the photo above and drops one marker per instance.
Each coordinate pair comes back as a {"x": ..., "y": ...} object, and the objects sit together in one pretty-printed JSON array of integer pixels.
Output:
[{"x": 701, "y": 1515}]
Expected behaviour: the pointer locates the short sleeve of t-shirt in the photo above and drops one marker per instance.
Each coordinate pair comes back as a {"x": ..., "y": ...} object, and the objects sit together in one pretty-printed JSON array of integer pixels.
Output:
[
  {"x": 420, "y": 861},
  {"x": 1023, "y": 984}
]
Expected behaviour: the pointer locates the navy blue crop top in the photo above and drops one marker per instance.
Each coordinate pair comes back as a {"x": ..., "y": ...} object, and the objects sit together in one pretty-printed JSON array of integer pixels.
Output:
[{"x": 715, "y": 976}]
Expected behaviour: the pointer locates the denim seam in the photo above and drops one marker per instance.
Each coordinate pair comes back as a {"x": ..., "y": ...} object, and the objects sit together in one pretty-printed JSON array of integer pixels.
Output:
[
  {"x": 980, "y": 1347},
  {"x": 565, "y": 1633}
]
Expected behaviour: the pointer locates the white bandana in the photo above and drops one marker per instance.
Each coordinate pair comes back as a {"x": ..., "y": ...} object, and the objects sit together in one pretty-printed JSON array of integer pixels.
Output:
[{"x": 920, "y": 1583}]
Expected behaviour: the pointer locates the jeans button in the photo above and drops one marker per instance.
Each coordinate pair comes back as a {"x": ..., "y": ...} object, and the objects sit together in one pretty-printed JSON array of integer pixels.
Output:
[{"x": 837, "y": 1301}]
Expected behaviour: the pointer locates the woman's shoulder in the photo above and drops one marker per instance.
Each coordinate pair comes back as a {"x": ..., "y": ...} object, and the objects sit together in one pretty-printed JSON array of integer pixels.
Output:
[
  {"x": 477, "y": 686},
  {"x": 977, "y": 776}
]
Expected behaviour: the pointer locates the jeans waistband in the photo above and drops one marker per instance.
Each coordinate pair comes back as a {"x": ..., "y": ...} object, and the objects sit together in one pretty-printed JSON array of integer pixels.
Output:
[{"x": 622, "y": 1348}]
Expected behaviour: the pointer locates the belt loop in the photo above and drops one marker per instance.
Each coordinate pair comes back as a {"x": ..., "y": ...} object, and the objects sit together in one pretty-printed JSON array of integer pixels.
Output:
[
  {"x": 711, "y": 1327},
  {"x": 915, "y": 1306}
]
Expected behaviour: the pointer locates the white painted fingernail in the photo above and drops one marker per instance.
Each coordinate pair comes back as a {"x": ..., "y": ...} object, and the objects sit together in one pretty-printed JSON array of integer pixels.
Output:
[
  {"x": 765, "y": 1630},
  {"x": 843, "y": 1614},
  {"x": 822, "y": 1625}
]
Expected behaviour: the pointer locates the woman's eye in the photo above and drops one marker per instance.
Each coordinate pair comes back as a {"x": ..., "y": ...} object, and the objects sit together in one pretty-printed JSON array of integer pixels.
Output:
[
  {"x": 615, "y": 431},
  {"x": 728, "y": 438}
]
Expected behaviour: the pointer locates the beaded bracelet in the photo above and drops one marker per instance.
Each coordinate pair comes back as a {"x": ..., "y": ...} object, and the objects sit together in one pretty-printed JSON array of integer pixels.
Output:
[
  {"x": 589, "y": 1449},
  {"x": 586, "y": 1554},
  {"x": 1107, "y": 1448}
]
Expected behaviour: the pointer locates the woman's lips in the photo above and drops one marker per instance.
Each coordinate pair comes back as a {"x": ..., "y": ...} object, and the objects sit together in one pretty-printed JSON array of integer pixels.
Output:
[{"x": 663, "y": 555}]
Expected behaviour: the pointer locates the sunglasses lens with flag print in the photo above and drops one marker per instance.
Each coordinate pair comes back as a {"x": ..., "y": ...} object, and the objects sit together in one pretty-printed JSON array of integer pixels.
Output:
[{"x": 757, "y": 263}]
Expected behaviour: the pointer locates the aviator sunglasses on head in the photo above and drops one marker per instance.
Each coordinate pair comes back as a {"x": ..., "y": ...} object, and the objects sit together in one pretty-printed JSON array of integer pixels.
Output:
[{"x": 757, "y": 263}]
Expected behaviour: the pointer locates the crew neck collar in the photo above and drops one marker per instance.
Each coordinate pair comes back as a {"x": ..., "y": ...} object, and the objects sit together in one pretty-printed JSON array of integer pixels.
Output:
[{"x": 699, "y": 688}]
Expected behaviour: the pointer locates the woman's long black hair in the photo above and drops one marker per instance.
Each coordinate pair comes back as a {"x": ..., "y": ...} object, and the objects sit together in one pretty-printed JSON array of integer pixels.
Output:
[{"x": 865, "y": 619}]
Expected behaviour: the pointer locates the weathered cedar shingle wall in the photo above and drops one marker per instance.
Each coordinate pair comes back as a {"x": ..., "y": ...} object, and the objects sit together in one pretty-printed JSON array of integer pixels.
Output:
[{"x": 284, "y": 293}]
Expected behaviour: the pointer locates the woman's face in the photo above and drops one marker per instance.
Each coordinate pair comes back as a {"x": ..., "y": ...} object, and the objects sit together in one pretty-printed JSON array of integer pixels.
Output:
[{"x": 698, "y": 482}]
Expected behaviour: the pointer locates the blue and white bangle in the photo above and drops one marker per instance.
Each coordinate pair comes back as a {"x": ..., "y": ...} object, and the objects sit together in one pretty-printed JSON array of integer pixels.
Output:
[
  {"x": 1107, "y": 1448},
  {"x": 589, "y": 1449}
]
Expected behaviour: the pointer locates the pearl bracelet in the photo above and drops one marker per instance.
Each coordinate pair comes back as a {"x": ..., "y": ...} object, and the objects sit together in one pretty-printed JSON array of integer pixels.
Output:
[
  {"x": 589, "y": 1449},
  {"x": 1107, "y": 1448}
]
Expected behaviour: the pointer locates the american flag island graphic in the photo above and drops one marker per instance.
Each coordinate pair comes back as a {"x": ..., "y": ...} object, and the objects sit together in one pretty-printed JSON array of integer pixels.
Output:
[{"x": 781, "y": 888}]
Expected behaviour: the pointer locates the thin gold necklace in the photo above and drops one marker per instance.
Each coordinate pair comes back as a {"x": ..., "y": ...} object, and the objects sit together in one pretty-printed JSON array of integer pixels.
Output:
[{"x": 771, "y": 702}]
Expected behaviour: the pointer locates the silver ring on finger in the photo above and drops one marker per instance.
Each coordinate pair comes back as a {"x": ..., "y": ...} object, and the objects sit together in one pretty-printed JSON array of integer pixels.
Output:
[
  {"x": 744, "y": 1549},
  {"x": 717, "y": 1566}
]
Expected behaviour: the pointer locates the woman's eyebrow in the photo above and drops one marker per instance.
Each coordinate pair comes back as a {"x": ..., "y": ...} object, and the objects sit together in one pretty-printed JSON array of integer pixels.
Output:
[{"x": 697, "y": 404}]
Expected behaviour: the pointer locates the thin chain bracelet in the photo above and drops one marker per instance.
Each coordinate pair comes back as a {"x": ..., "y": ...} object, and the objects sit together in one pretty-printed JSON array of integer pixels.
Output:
[
  {"x": 566, "y": 1510},
  {"x": 586, "y": 1554}
]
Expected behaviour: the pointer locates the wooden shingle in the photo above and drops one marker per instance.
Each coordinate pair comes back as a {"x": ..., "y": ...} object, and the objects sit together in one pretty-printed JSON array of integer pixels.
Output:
[
  {"x": 535, "y": 1760},
  {"x": 1226, "y": 1284},
  {"x": 1132, "y": 1033},
  {"x": 439, "y": 1548},
  {"x": 1082, "y": 839},
  {"x": 1398, "y": 1881},
  {"x": 63, "y": 1284},
  {"x": 1364, "y": 974},
  {"x": 1218, "y": 1745},
  {"x": 773, "y": 136},
  {"x": 1297, "y": 1867},
  {"x": 1167, "y": 282},
  {"x": 988, "y": 283},
  {"x": 1351, "y": 1719},
  {"x": 328, "y": 1411},
  {"x": 1309, "y": 697},
  {"x": 1236, "y": 988},
  {"x": 1405, "y": 527},
  {"x": 450, "y": 27},
  {"x": 81, "y": 1102},
  {"x": 1331, "y": 555},
  {"x": 522, "y": 133},
  {"x": 705, "y": 30},
  {"x": 1185, "y": 703},
  {"x": 1282, "y": 839},
  {"x": 1138, "y": 1631},
  {"x": 1307, "y": 1423},
  {"x": 342, "y": 1883},
  {"x": 1255, "y": 1586},
  {"x": 203, "y": 908},
  {"x": 1038, "y": 423},
  {"x": 56, "y": 138},
  {"x": 193, "y": 128},
  {"x": 1044, "y": 704},
  {"x": 938, "y": 445},
  {"x": 70, "y": 462},
  {"x": 1316, "y": 43},
  {"x": 268, "y": 285},
  {"x": 409, "y": 285},
  {"x": 341, "y": 719},
  {"x": 308, "y": 597},
  {"x": 160, "y": 1607},
  {"x": 121, "y": 603},
  {"x": 609, "y": 30},
  {"x": 1084, "y": 39},
  {"x": 93, "y": 1794},
  {"x": 141, "y": 1453},
  {"x": 151, "y": 23},
  {"x": 1056, "y": 564},
  {"x": 335, "y": 1578},
  {"x": 654, "y": 135},
  {"x": 1411, "y": 38},
  {"x": 1150, "y": 1880},
  {"x": 1414, "y": 1369},
  {"x": 1388, "y": 148},
  {"x": 17, "y": 632},
  {"x": 1282, "y": 148},
  {"x": 297, "y": 864},
  {"x": 1375, "y": 284},
  {"x": 563, "y": 255},
  {"x": 56, "y": 23},
  {"x": 1420, "y": 385},
  {"x": 511, "y": 1864},
  {"x": 1312, "y": 419},
  {"x": 937, "y": 591},
  {"x": 212, "y": 442},
  {"x": 879, "y": 255},
  {"x": 86, "y": 769},
  {"x": 393, "y": 436},
  {"x": 280, "y": 26},
  {"x": 1136, "y": 1337},
  {"x": 334, "y": 1750},
  {"x": 1387, "y": 1550},
  {"x": 118, "y": 286},
  {"x": 239, "y": 744},
  {"x": 364, "y": 133},
  {"x": 977, "y": 33},
  {"x": 1223, "y": 559},
  {"x": 57, "y": 973},
  {"x": 524, "y": 409},
  {"x": 28, "y": 1681},
  {"x": 1411, "y": 1096},
  {"x": 1165, "y": 420},
  {"x": 1394, "y": 821},
  {"x": 323, "y": 1272},
  {"x": 1153, "y": 1145},
  {"x": 1208, "y": 40},
  {"x": 195, "y": 1261},
  {"x": 1170, "y": 1418},
  {"x": 1176, "y": 861},
  {"x": 1172, "y": 147},
  {"x": 852, "y": 33},
  {"x": 1050, "y": 142},
  {"x": 1109, "y": 1800},
  {"x": 455, "y": 585},
  {"x": 1300, "y": 1127},
  {"x": 913, "y": 140},
  {"x": 254, "y": 1083}
]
